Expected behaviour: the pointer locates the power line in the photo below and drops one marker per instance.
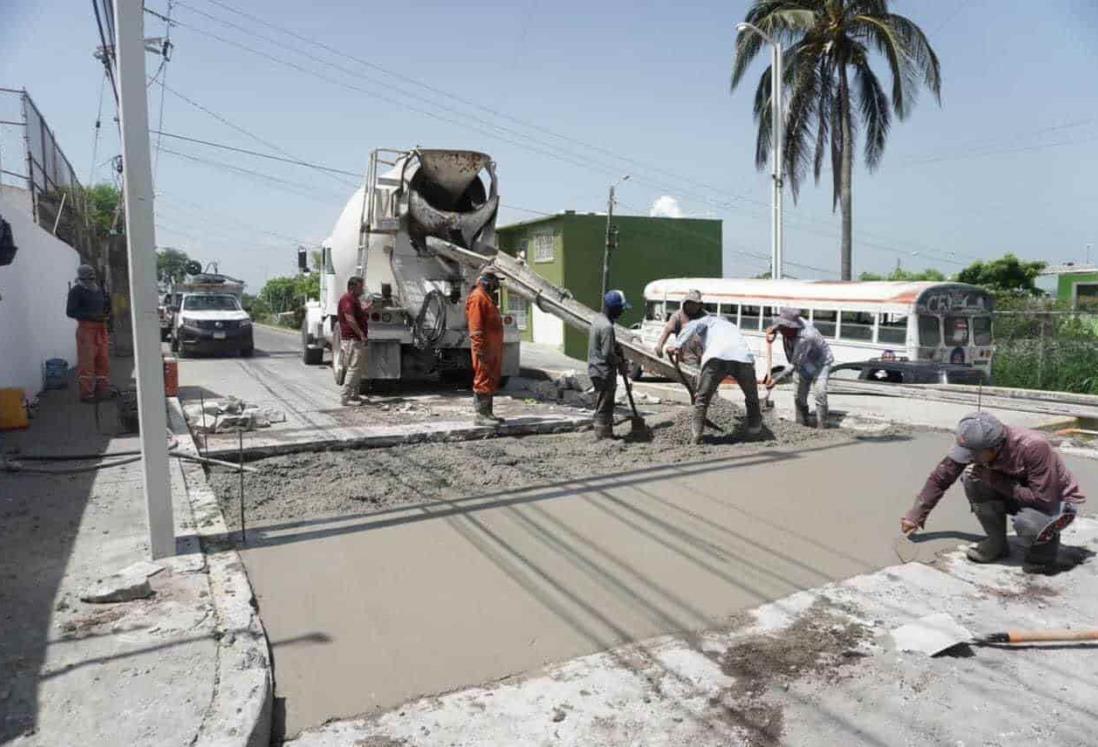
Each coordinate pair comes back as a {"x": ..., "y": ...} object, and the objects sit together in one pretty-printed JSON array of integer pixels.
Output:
[
  {"x": 281, "y": 183},
  {"x": 162, "y": 72},
  {"x": 256, "y": 154}
]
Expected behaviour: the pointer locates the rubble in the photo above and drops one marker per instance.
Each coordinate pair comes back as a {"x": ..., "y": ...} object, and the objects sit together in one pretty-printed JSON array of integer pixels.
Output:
[
  {"x": 229, "y": 415},
  {"x": 128, "y": 584}
]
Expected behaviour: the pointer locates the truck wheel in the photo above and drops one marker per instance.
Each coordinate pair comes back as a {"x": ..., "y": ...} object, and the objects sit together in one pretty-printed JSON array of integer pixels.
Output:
[{"x": 247, "y": 352}]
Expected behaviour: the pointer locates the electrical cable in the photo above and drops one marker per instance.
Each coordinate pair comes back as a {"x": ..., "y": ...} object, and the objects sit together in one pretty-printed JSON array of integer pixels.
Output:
[
  {"x": 162, "y": 71},
  {"x": 98, "y": 123},
  {"x": 427, "y": 336},
  {"x": 257, "y": 154}
]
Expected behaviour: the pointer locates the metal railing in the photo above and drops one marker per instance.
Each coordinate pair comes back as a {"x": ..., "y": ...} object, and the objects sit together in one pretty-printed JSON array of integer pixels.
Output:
[
  {"x": 1047, "y": 348},
  {"x": 31, "y": 159}
]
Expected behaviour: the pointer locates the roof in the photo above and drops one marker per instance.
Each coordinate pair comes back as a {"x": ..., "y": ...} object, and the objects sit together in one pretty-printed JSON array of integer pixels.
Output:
[
  {"x": 878, "y": 291},
  {"x": 599, "y": 216},
  {"x": 1070, "y": 269}
]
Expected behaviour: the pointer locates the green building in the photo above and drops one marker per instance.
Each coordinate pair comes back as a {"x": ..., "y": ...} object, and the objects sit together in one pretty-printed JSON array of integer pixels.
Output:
[
  {"x": 1073, "y": 286},
  {"x": 567, "y": 249}
]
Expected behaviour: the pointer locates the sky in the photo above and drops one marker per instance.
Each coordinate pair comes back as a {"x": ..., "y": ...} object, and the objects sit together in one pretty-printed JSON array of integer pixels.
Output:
[{"x": 568, "y": 97}]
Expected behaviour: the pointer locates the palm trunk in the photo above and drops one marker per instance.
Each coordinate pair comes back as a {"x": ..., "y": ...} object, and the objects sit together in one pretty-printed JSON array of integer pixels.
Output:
[{"x": 845, "y": 176}]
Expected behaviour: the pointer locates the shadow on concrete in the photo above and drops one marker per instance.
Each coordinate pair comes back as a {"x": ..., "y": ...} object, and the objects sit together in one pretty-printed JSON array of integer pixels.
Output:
[{"x": 40, "y": 517}]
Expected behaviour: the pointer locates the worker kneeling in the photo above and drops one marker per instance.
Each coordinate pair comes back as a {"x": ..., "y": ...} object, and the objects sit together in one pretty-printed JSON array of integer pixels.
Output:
[
  {"x": 809, "y": 358},
  {"x": 485, "y": 345},
  {"x": 724, "y": 353},
  {"x": 605, "y": 361},
  {"x": 1007, "y": 470}
]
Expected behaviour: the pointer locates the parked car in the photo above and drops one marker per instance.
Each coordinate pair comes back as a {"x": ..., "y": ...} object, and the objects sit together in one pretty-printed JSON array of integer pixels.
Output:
[
  {"x": 210, "y": 323},
  {"x": 910, "y": 372}
]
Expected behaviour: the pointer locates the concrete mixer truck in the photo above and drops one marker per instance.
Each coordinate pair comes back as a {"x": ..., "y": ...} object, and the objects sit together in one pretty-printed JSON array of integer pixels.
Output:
[{"x": 417, "y": 327}]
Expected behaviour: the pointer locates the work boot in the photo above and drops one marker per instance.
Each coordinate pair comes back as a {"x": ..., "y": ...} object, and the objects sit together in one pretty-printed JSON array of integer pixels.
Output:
[
  {"x": 821, "y": 417},
  {"x": 755, "y": 425},
  {"x": 603, "y": 431},
  {"x": 697, "y": 426},
  {"x": 482, "y": 403},
  {"x": 1044, "y": 558},
  {"x": 992, "y": 518},
  {"x": 801, "y": 414},
  {"x": 495, "y": 418}
]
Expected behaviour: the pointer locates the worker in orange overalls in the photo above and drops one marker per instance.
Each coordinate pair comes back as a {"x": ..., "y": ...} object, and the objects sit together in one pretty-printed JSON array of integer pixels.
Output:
[
  {"x": 486, "y": 346},
  {"x": 90, "y": 306}
]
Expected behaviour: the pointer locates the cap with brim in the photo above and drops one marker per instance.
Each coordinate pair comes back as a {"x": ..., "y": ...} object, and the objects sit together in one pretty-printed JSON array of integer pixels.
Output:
[
  {"x": 961, "y": 455},
  {"x": 976, "y": 432},
  {"x": 693, "y": 296},
  {"x": 789, "y": 317}
]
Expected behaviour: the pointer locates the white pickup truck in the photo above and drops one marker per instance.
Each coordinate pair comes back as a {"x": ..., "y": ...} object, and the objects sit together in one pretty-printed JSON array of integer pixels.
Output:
[{"x": 210, "y": 323}]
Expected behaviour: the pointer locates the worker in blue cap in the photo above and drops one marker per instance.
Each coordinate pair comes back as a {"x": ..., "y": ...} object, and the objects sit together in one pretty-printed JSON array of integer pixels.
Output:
[{"x": 605, "y": 361}]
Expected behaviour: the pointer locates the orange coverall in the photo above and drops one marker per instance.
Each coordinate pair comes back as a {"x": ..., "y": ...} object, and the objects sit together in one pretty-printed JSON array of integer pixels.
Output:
[{"x": 486, "y": 340}]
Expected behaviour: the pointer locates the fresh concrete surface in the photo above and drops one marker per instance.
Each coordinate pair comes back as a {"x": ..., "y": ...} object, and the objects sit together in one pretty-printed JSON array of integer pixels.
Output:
[
  {"x": 389, "y": 607},
  {"x": 851, "y": 690},
  {"x": 129, "y": 673},
  {"x": 276, "y": 378}
]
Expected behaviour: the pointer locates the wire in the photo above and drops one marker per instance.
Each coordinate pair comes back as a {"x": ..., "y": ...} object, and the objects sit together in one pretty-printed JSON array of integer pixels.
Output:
[
  {"x": 162, "y": 71},
  {"x": 108, "y": 48},
  {"x": 98, "y": 122},
  {"x": 284, "y": 184},
  {"x": 257, "y": 154}
]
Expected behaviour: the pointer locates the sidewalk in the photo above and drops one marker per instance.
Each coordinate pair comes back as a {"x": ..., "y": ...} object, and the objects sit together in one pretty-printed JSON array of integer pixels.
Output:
[{"x": 71, "y": 672}]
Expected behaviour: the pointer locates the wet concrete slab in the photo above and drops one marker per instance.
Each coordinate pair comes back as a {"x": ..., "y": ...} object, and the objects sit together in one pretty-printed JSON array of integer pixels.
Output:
[{"x": 449, "y": 593}]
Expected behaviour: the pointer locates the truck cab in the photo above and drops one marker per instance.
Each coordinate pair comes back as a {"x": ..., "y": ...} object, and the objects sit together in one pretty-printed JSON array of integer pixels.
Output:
[{"x": 211, "y": 323}]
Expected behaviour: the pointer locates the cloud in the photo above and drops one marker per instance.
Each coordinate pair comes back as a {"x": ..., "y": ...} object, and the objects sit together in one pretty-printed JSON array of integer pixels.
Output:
[{"x": 665, "y": 206}]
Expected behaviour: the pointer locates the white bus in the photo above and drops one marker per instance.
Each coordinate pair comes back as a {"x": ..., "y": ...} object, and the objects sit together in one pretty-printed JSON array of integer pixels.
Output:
[{"x": 891, "y": 321}]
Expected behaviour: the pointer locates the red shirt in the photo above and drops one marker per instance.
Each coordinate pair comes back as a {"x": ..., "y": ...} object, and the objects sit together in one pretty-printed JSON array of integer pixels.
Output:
[{"x": 350, "y": 307}]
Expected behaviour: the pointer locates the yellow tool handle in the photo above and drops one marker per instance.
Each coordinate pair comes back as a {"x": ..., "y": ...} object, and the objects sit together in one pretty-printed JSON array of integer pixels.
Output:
[{"x": 1031, "y": 636}]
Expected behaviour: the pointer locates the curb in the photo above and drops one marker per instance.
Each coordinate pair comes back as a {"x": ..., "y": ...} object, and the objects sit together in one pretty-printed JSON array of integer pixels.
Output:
[{"x": 239, "y": 715}]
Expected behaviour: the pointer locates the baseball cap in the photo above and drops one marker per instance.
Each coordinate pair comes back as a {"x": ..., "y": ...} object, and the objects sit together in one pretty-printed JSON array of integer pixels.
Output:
[
  {"x": 694, "y": 296},
  {"x": 976, "y": 431},
  {"x": 789, "y": 317},
  {"x": 615, "y": 299}
]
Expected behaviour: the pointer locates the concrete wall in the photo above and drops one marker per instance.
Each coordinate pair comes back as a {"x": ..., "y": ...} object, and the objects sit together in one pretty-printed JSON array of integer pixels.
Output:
[
  {"x": 33, "y": 291},
  {"x": 648, "y": 249},
  {"x": 1065, "y": 289}
]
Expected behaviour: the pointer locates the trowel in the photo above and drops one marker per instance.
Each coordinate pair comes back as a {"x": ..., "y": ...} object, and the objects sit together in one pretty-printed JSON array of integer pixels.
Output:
[{"x": 935, "y": 634}]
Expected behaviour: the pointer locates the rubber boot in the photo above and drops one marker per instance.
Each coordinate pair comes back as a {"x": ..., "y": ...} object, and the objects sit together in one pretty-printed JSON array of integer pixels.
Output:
[
  {"x": 821, "y": 417},
  {"x": 697, "y": 426},
  {"x": 483, "y": 416},
  {"x": 491, "y": 415},
  {"x": 603, "y": 431},
  {"x": 1044, "y": 558},
  {"x": 993, "y": 519},
  {"x": 801, "y": 415}
]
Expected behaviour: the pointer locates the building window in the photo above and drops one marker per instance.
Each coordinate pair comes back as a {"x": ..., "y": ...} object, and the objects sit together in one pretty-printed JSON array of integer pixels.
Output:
[
  {"x": 543, "y": 247},
  {"x": 1086, "y": 295},
  {"x": 857, "y": 325},
  {"x": 519, "y": 308}
]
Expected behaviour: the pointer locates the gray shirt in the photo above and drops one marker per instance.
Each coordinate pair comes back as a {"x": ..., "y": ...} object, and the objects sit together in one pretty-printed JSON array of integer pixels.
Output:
[
  {"x": 603, "y": 357},
  {"x": 808, "y": 353},
  {"x": 722, "y": 339}
]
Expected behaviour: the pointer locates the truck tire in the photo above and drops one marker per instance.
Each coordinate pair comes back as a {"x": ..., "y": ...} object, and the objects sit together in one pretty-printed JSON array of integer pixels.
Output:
[
  {"x": 247, "y": 352},
  {"x": 312, "y": 355}
]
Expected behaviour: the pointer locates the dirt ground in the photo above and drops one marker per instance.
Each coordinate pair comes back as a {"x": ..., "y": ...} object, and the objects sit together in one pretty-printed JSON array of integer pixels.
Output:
[{"x": 356, "y": 481}]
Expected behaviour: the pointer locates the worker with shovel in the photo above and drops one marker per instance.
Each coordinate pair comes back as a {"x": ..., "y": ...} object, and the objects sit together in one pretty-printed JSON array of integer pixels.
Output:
[
  {"x": 724, "y": 353},
  {"x": 809, "y": 358},
  {"x": 691, "y": 309},
  {"x": 605, "y": 361},
  {"x": 1007, "y": 470}
]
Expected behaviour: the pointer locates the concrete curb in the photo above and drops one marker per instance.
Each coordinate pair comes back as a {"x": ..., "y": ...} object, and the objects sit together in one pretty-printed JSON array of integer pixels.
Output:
[{"x": 239, "y": 715}]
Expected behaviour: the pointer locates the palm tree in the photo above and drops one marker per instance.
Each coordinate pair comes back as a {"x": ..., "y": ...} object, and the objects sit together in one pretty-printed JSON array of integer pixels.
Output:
[{"x": 825, "y": 42}]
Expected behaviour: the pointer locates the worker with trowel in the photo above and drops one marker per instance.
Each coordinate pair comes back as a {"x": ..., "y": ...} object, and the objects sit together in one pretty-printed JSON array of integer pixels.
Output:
[
  {"x": 485, "y": 345},
  {"x": 1007, "y": 470},
  {"x": 724, "y": 353},
  {"x": 690, "y": 310},
  {"x": 605, "y": 361},
  {"x": 810, "y": 361},
  {"x": 90, "y": 306}
]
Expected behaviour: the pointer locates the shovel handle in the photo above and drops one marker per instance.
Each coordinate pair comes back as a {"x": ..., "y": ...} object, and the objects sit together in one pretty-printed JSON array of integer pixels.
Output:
[{"x": 1036, "y": 636}]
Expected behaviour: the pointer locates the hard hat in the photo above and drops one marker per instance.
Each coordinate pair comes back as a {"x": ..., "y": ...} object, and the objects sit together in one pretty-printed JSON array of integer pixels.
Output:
[{"x": 615, "y": 299}]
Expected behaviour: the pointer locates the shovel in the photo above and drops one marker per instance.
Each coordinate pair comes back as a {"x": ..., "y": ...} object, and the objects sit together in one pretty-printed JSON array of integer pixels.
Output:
[
  {"x": 637, "y": 427},
  {"x": 767, "y": 404},
  {"x": 935, "y": 634},
  {"x": 690, "y": 389}
]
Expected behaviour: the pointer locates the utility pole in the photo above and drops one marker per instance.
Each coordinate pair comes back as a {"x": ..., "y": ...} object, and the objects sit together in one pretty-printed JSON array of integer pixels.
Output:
[
  {"x": 141, "y": 240},
  {"x": 611, "y": 239}
]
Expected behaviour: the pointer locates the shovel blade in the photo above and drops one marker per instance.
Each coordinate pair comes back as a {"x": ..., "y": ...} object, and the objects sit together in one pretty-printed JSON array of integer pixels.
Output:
[{"x": 931, "y": 635}]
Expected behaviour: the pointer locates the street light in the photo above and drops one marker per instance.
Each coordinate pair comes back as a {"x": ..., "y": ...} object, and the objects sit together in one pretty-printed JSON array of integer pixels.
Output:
[
  {"x": 611, "y": 239},
  {"x": 776, "y": 142}
]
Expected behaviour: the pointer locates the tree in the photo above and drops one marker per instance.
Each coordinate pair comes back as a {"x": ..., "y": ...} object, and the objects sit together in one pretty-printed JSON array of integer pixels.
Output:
[
  {"x": 826, "y": 42},
  {"x": 909, "y": 275},
  {"x": 1008, "y": 276},
  {"x": 174, "y": 264},
  {"x": 104, "y": 211}
]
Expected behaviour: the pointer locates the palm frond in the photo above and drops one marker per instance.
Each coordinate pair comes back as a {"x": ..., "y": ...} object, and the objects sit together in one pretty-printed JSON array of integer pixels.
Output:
[
  {"x": 889, "y": 43},
  {"x": 763, "y": 118},
  {"x": 802, "y": 78},
  {"x": 823, "y": 115},
  {"x": 873, "y": 107},
  {"x": 920, "y": 52}
]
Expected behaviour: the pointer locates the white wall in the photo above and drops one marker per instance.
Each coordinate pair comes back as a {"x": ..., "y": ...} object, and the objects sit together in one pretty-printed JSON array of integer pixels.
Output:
[
  {"x": 33, "y": 292},
  {"x": 548, "y": 329}
]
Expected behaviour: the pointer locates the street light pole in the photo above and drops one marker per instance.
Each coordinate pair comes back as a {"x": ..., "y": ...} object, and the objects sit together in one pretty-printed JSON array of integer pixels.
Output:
[
  {"x": 777, "y": 142},
  {"x": 611, "y": 239},
  {"x": 141, "y": 240}
]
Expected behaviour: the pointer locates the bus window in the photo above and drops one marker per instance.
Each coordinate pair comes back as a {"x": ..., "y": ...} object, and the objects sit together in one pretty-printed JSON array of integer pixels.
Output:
[
  {"x": 710, "y": 308},
  {"x": 825, "y": 321},
  {"x": 930, "y": 334},
  {"x": 653, "y": 311},
  {"x": 731, "y": 312},
  {"x": 750, "y": 317},
  {"x": 893, "y": 329},
  {"x": 956, "y": 330},
  {"x": 981, "y": 330},
  {"x": 856, "y": 325},
  {"x": 669, "y": 309}
]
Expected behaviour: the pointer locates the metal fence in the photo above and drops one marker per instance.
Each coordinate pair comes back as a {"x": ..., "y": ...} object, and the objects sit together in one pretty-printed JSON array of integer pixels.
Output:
[
  {"x": 31, "y": 159},
  {"x": 1043, "y": 347}
]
